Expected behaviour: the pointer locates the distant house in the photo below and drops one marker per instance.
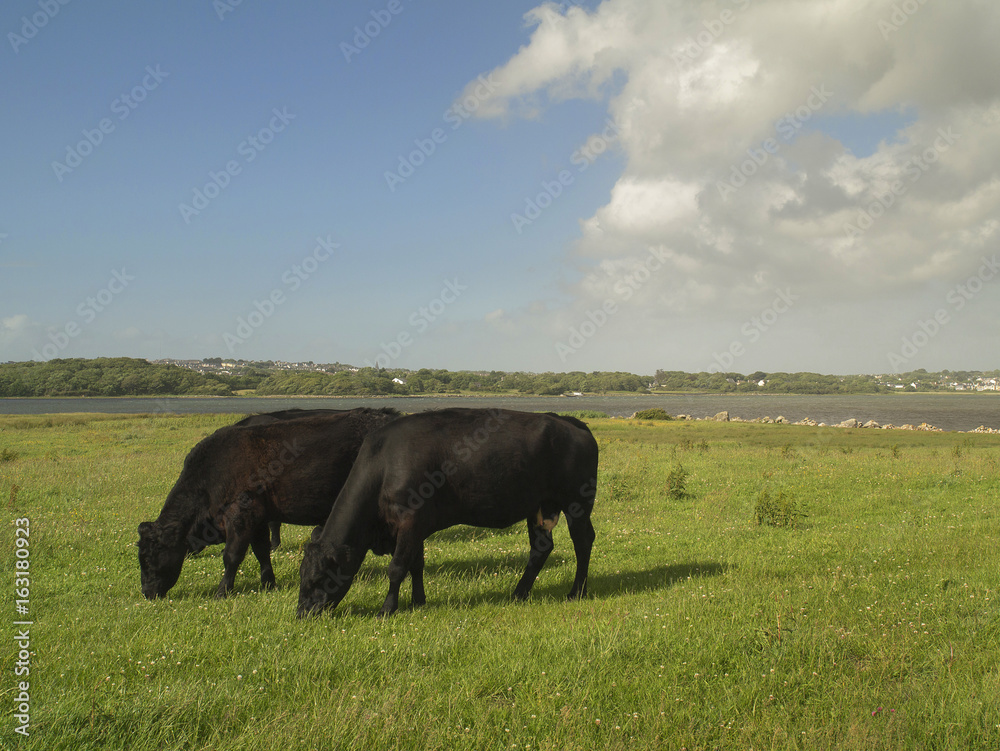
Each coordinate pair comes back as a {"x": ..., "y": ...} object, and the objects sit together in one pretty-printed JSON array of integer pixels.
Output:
[{"x": 400, "y": 381}]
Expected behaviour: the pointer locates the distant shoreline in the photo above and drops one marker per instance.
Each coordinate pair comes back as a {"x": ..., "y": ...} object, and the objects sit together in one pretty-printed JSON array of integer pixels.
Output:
[
  {"x": 950, "y": 414},
  {"x": 488, "y": 395}
]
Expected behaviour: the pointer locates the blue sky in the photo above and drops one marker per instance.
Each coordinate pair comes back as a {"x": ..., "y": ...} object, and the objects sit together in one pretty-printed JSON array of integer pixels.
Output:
[{"x": 310, "y": 112}]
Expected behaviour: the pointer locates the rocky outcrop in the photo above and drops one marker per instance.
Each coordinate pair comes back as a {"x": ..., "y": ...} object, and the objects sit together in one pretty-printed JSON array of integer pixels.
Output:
[{"x": 849, "y": 423}]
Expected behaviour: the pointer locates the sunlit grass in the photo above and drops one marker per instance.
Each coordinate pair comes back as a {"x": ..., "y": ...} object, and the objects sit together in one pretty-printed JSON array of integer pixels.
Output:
[{"x": 873, "y": 623}]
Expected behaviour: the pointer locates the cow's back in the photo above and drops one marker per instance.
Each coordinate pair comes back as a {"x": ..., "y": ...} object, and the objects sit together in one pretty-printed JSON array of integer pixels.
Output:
[{"x": 488, "y": 467}]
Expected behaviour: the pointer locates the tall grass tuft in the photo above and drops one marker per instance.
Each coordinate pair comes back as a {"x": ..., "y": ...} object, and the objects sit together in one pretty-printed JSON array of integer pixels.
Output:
[
  {"x": 778, "y": 509},
  {"x": 677, "y": 483}
]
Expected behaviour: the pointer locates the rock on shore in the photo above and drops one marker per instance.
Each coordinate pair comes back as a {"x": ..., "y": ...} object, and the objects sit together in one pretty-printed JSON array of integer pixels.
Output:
[{"x": 849, "y": 423}]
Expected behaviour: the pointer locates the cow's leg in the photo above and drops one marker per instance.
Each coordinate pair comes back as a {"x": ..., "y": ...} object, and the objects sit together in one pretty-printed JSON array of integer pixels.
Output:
[
  {"x": 275, "y": 528},
  {"x": 235, "y": 551},
  {"x": 262, "y": 551},
  {"x": 244, "y": 520},
  {"x": 417, "y": 579},
  {"x": 541, "y": 546},
  {"x": 581, "y": 531},
  {"x": 409, "y": 547}
]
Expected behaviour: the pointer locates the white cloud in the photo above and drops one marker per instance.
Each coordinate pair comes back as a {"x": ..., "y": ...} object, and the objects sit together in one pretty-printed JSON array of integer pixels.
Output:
[
  {"x": 18, "y": 333},
  {"x": 720, "y": 105}
]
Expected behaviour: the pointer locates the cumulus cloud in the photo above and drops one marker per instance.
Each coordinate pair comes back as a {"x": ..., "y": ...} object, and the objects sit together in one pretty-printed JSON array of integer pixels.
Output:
[
  {"x": 17, "y": 333},
  {"x": 736, "y": 167}
]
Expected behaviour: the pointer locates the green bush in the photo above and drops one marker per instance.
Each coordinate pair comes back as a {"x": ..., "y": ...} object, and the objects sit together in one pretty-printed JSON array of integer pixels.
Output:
[
  {"x": 778, "y": 510},
  {"x": 677, "y": 483},
  {"x": 655, "y": 413}
]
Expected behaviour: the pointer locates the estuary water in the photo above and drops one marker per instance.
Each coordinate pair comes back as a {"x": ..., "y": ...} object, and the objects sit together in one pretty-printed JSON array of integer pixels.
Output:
[{"x": 948, "y": 411}]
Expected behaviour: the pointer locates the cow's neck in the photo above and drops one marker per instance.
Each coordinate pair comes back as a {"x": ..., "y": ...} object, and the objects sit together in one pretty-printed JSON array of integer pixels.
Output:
[{"x": 177, "y": 518}]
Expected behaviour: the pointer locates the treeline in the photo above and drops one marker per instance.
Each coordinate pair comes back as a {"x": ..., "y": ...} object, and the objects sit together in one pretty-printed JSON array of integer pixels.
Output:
[
  {"x": 113, "y": 376},
  {"x": 774, "y": 383},
  {"x": 815, "y": 383},
  {"x": 124, "y": 376},
  {"x": 372, "y": 381}
]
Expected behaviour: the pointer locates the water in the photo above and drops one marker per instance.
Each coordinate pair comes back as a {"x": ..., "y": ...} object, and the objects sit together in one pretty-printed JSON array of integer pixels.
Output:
[{"x": 947, "y": 411}]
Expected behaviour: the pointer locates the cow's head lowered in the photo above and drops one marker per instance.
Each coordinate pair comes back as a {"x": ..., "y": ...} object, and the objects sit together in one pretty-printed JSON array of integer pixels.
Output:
[
  {"x": 325, "y": 575},
  {"x": 159, "y": 563}
]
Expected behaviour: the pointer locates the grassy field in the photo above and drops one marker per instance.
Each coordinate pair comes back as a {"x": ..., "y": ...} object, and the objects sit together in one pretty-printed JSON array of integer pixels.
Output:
[{"x": 869, "y": 621}]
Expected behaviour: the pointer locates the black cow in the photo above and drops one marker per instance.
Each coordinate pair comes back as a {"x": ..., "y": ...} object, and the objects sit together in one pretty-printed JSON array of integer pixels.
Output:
[
  {"x": 242, "y": 477},
  {"x": 206, "y": 533},
  {"x": 428, "y": 471}
]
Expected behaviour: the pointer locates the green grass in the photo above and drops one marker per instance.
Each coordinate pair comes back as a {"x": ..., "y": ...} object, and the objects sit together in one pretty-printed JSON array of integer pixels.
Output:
[{"x": 872, "y": 623}]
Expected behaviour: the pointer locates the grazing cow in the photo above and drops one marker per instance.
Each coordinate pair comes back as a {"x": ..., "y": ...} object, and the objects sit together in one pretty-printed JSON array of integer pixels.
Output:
[
  {"x": 428, "y": 471},
  {"x": 206, "y": 533},
  {"x": 242, "y": 477}
]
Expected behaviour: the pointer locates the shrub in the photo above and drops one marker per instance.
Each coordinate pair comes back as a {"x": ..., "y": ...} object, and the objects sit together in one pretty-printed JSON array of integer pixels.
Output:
[
  {"x": 778, "y": 510},
  {"x": 677, "y": 483},
  {"x": 655, "y": 413},
  {"x": 622, "y": 486}
]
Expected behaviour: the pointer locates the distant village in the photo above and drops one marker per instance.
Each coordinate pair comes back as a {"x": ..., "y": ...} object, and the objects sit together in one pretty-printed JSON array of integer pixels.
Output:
[
  {"x": 219, "y": 366},
  {"x": 979, "y": 383}
]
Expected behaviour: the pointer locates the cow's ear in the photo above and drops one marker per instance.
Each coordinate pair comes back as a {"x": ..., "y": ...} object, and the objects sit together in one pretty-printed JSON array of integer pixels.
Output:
[
  {"x": 147, "y": 531},
  {"x": 316, "y": 533}
]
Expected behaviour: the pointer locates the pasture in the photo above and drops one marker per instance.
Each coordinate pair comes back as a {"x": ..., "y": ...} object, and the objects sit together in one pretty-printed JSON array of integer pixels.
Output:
[{"x": 869, "y": 621}]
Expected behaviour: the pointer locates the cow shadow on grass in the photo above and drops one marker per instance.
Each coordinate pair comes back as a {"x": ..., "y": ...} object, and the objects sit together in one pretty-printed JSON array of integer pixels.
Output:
[{"x": 497, "y": 575}]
